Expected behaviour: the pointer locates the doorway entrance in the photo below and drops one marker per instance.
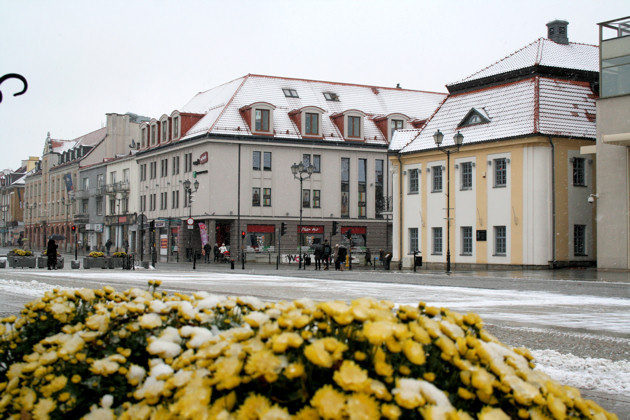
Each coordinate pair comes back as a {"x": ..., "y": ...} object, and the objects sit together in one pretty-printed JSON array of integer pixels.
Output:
[{"x": 223, "y": 233}]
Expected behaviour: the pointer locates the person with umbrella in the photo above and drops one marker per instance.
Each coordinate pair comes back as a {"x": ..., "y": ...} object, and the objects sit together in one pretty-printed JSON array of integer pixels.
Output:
[{"x": 51, "y": 254}]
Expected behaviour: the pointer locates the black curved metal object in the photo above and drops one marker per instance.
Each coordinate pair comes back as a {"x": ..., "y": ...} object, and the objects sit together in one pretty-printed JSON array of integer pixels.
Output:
[{"x": 14, "y": 76}]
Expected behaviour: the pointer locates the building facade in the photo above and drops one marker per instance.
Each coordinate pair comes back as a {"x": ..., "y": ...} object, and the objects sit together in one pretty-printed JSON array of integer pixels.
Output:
[
  {"x": 515, "y": 193},
  {"x": 235, "y": 144},
  {"x": 613, "y": 146},
  {"x": 12, "y": 203}
]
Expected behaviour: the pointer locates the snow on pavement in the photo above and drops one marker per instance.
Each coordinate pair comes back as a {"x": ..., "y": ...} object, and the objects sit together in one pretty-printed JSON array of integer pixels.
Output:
[
  {"x": 590, "y": 373},
  {"x": 31, "y": 288}
]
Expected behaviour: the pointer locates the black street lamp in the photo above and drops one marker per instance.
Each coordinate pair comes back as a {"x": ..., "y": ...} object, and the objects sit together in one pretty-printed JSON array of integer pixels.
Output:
[
  {"x": 301, "y": 173},
  {"x": 188, "y": 191},
  {"x": 67, "y": 204},
  {"x": 458, "y": 139},
  {"x": 5, "y": 209}
]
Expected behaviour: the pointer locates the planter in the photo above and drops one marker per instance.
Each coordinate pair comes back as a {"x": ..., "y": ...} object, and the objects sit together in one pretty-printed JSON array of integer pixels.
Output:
[
  {"x": 3, "y": 264},
  {"x": 75, "y": 264},
  {"x": 22, "y": 262},
  {"x": 96, "y": 262},
  {"x": 118, "y": 262},
  {"x": 42, "y": 262}
]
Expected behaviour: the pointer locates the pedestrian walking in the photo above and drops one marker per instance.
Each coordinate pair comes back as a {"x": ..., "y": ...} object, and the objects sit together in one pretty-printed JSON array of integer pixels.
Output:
[
  {"x": 343, "y": 252},
  {"x": 216, "y": 252},
  {"x": 319, "y": 253},
  {"x": 381, "y": 257},
  {"x": 126, "y": 246},
  {"x": 368, "y": 257},
  {"x": 207, "y": 249},
  {"x": 51, "y": 254},
  {"x": 326, "y": 254},
  {"x": 108, "y": 245}
]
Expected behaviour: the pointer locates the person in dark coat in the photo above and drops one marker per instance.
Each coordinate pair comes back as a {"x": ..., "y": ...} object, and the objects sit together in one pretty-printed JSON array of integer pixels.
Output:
[
  {"x": 318, "y": 251},
  {"x": 326, "y": 254},
  {"x": 341, "y": 255},
  {"x": 51, "y": 254},
  {"x": 108, "y": 245},
  {"x": 207, "y": 249},
  {"x": 217, "y": 252},
  {"x": 368, "y": 257}
]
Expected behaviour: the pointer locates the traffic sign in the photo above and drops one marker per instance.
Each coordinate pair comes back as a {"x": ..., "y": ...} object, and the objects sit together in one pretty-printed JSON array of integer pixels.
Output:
[{"x": 190, "y": 221}]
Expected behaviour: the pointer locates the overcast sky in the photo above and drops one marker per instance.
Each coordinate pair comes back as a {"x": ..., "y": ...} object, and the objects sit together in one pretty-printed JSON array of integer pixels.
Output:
[{"x": 84, "y": 59}]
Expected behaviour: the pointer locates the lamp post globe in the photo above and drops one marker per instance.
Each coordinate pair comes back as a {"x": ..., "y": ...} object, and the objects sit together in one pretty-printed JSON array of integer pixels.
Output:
[
  {"x": 458, "y": 138},
  {"x": 438, "y": 137}
]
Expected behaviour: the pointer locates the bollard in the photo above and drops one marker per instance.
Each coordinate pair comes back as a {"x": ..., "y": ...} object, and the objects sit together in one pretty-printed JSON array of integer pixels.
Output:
[{"x": 232, "y": 264}]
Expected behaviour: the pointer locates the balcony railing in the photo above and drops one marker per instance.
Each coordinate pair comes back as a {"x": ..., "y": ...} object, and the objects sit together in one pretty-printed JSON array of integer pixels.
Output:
[{"x": 117, "y": 187}]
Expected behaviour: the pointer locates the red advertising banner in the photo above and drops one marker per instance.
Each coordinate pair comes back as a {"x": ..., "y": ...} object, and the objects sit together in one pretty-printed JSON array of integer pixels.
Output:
[
  {"x": 354, "y": 230},
  {"x": 311, "y": 229},
  {"x": 261, "y": 228}
]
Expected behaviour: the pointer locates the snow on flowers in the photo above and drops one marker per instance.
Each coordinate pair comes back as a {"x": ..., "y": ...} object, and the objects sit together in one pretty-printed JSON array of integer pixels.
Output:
[{"x": 143, "y": 354}]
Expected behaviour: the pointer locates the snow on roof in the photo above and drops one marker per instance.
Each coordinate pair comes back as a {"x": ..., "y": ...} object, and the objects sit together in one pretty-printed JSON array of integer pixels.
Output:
[
  {"x": 564, "y": 108},
  {"x": 20, "y": 181},
  {"x": 89, "y": 139},
  {"x": 543, "y": 52},
  {"x": 221, "y": 105}
]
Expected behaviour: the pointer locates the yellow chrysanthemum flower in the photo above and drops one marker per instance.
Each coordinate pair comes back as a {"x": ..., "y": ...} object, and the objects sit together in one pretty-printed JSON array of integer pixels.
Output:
[
  {"x": 264, "y": 363},
  {"x": 350, "y": 377},
  {"x": 362, "y": 407},
  {"x": 253, "y": 408},
  {"x": 329, "y": 402}
]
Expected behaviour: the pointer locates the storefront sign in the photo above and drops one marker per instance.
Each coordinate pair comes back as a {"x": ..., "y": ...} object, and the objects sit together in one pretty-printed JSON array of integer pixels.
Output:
[
  {"x": 261, "y": 228},
  {"x": 354, "y": 230},
  {"x": 311, "y": 229},
  {"x": 122, "y": 219},
  {"x": 98, "y": 227},
  {"x": 88, "y": 226},
  {"x": 203, "y": 158},
  {"x": 160, "y": 223}
]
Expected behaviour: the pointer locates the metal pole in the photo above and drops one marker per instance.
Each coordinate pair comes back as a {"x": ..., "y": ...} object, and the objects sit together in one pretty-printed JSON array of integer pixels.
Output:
[
  {"x": 448, "y": 211},
  {"x": 300, "y": 229}
]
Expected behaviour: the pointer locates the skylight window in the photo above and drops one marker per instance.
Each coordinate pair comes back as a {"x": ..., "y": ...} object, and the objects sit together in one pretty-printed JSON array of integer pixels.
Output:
[
  {"x": 290, "y": 93},
  {"x": 331, "y": 96}
]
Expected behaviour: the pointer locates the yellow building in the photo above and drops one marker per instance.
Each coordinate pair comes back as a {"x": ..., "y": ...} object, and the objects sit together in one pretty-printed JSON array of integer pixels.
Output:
[{"x": 516, "y": 192}]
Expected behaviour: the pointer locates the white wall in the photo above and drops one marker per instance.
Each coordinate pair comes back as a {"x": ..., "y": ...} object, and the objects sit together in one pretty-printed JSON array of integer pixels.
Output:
[
  {"x": 436, "y": 212},
  {"x": 537, "y": 205},
  {"x": 412, "y": 212},
  {"x": 580, "y": 213}
]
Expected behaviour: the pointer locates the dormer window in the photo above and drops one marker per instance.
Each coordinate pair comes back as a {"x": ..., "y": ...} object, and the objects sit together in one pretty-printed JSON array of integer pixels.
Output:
[
  {"x": 290, "y": 93},
  {"x": 395, "y": 125},
  {"x": 474, "y": 117},
  {"x": 164, "y": 124},
  {"x": 331, "y": 96},
  {"x": 262, "y": 120},
  {"x": 143, "y": 137},
  {"x": 311, "y": 124},
  {"x": 153, "y": 134},
  {"x": 175, "y": 127},
  {"x": 354, "y": 126}
]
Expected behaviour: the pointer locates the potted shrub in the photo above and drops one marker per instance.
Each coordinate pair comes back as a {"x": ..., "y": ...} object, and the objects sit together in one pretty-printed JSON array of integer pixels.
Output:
[
  {"x": 21, "y": 258},
  {"x": 95, "y": 259},
  {"x": 118, "y": 259}
]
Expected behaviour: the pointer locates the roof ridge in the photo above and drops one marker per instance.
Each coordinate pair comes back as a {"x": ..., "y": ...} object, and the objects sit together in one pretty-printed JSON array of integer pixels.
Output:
[
  {"x": 481, "y": 89},
  {"x": 228, "y": 102},
  {"x": 344, "y": 83},
  {"x": 222, "y": 84},
  {"x": 497, "y": 62},
  {"x": 576, "y": 43},
  {"x": 425, "y": 123}
]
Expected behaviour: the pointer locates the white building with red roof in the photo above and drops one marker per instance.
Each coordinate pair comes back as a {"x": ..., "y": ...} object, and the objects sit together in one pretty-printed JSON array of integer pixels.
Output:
[
  {"x": 239, "y": 140},
  {"x": 518, "y": 187}
]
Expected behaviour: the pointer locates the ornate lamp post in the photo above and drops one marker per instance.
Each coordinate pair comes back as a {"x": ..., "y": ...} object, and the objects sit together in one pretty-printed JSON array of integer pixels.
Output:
[
  {"x": 5, "y": 209},
  {"x": 67, "y": 204},
  {"x": 188, "y": 191},
  {"x": 458, "y": 139},
  {"x": 301, "y": 173}
]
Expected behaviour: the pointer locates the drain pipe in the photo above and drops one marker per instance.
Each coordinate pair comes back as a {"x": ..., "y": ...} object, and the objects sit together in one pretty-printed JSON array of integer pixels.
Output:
[
  {"x": 553, "y": 203},
  {"x": 400, "y": 216}
]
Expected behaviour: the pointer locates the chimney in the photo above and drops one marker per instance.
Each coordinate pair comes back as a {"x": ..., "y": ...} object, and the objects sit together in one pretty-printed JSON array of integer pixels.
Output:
[{"x": 557, "y": 31}]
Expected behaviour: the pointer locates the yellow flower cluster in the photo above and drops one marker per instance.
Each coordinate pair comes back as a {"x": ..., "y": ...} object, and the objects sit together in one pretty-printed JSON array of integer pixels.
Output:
[
  {"x": 120, "y": 254},
  {"x": 20, "y": 252},
  {"x": 96, "y": 254},
  {"x": 142, "y": 354}
]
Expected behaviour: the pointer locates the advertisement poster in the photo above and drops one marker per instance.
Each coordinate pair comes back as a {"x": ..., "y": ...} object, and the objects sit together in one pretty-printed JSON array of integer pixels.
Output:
[
  {"x": 204, "y": 234},
  {"x": 68, "y": 180},
  {"x": 163, "y": 244}
]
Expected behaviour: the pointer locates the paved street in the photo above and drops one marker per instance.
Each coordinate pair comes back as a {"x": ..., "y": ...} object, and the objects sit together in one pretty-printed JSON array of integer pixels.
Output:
[{"x": 577, "y": 322}]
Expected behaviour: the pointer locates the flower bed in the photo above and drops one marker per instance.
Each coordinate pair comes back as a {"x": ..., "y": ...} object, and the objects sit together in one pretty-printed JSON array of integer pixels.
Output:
[
  {"x": 17, "y": 252},
  {"x": 141, "y": 354},
  {"x": 96, "y": 254}
]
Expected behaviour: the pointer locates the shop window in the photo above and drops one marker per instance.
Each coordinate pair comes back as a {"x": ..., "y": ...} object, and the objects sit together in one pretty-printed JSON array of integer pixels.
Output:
[{"x": 260, "y": 238}]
